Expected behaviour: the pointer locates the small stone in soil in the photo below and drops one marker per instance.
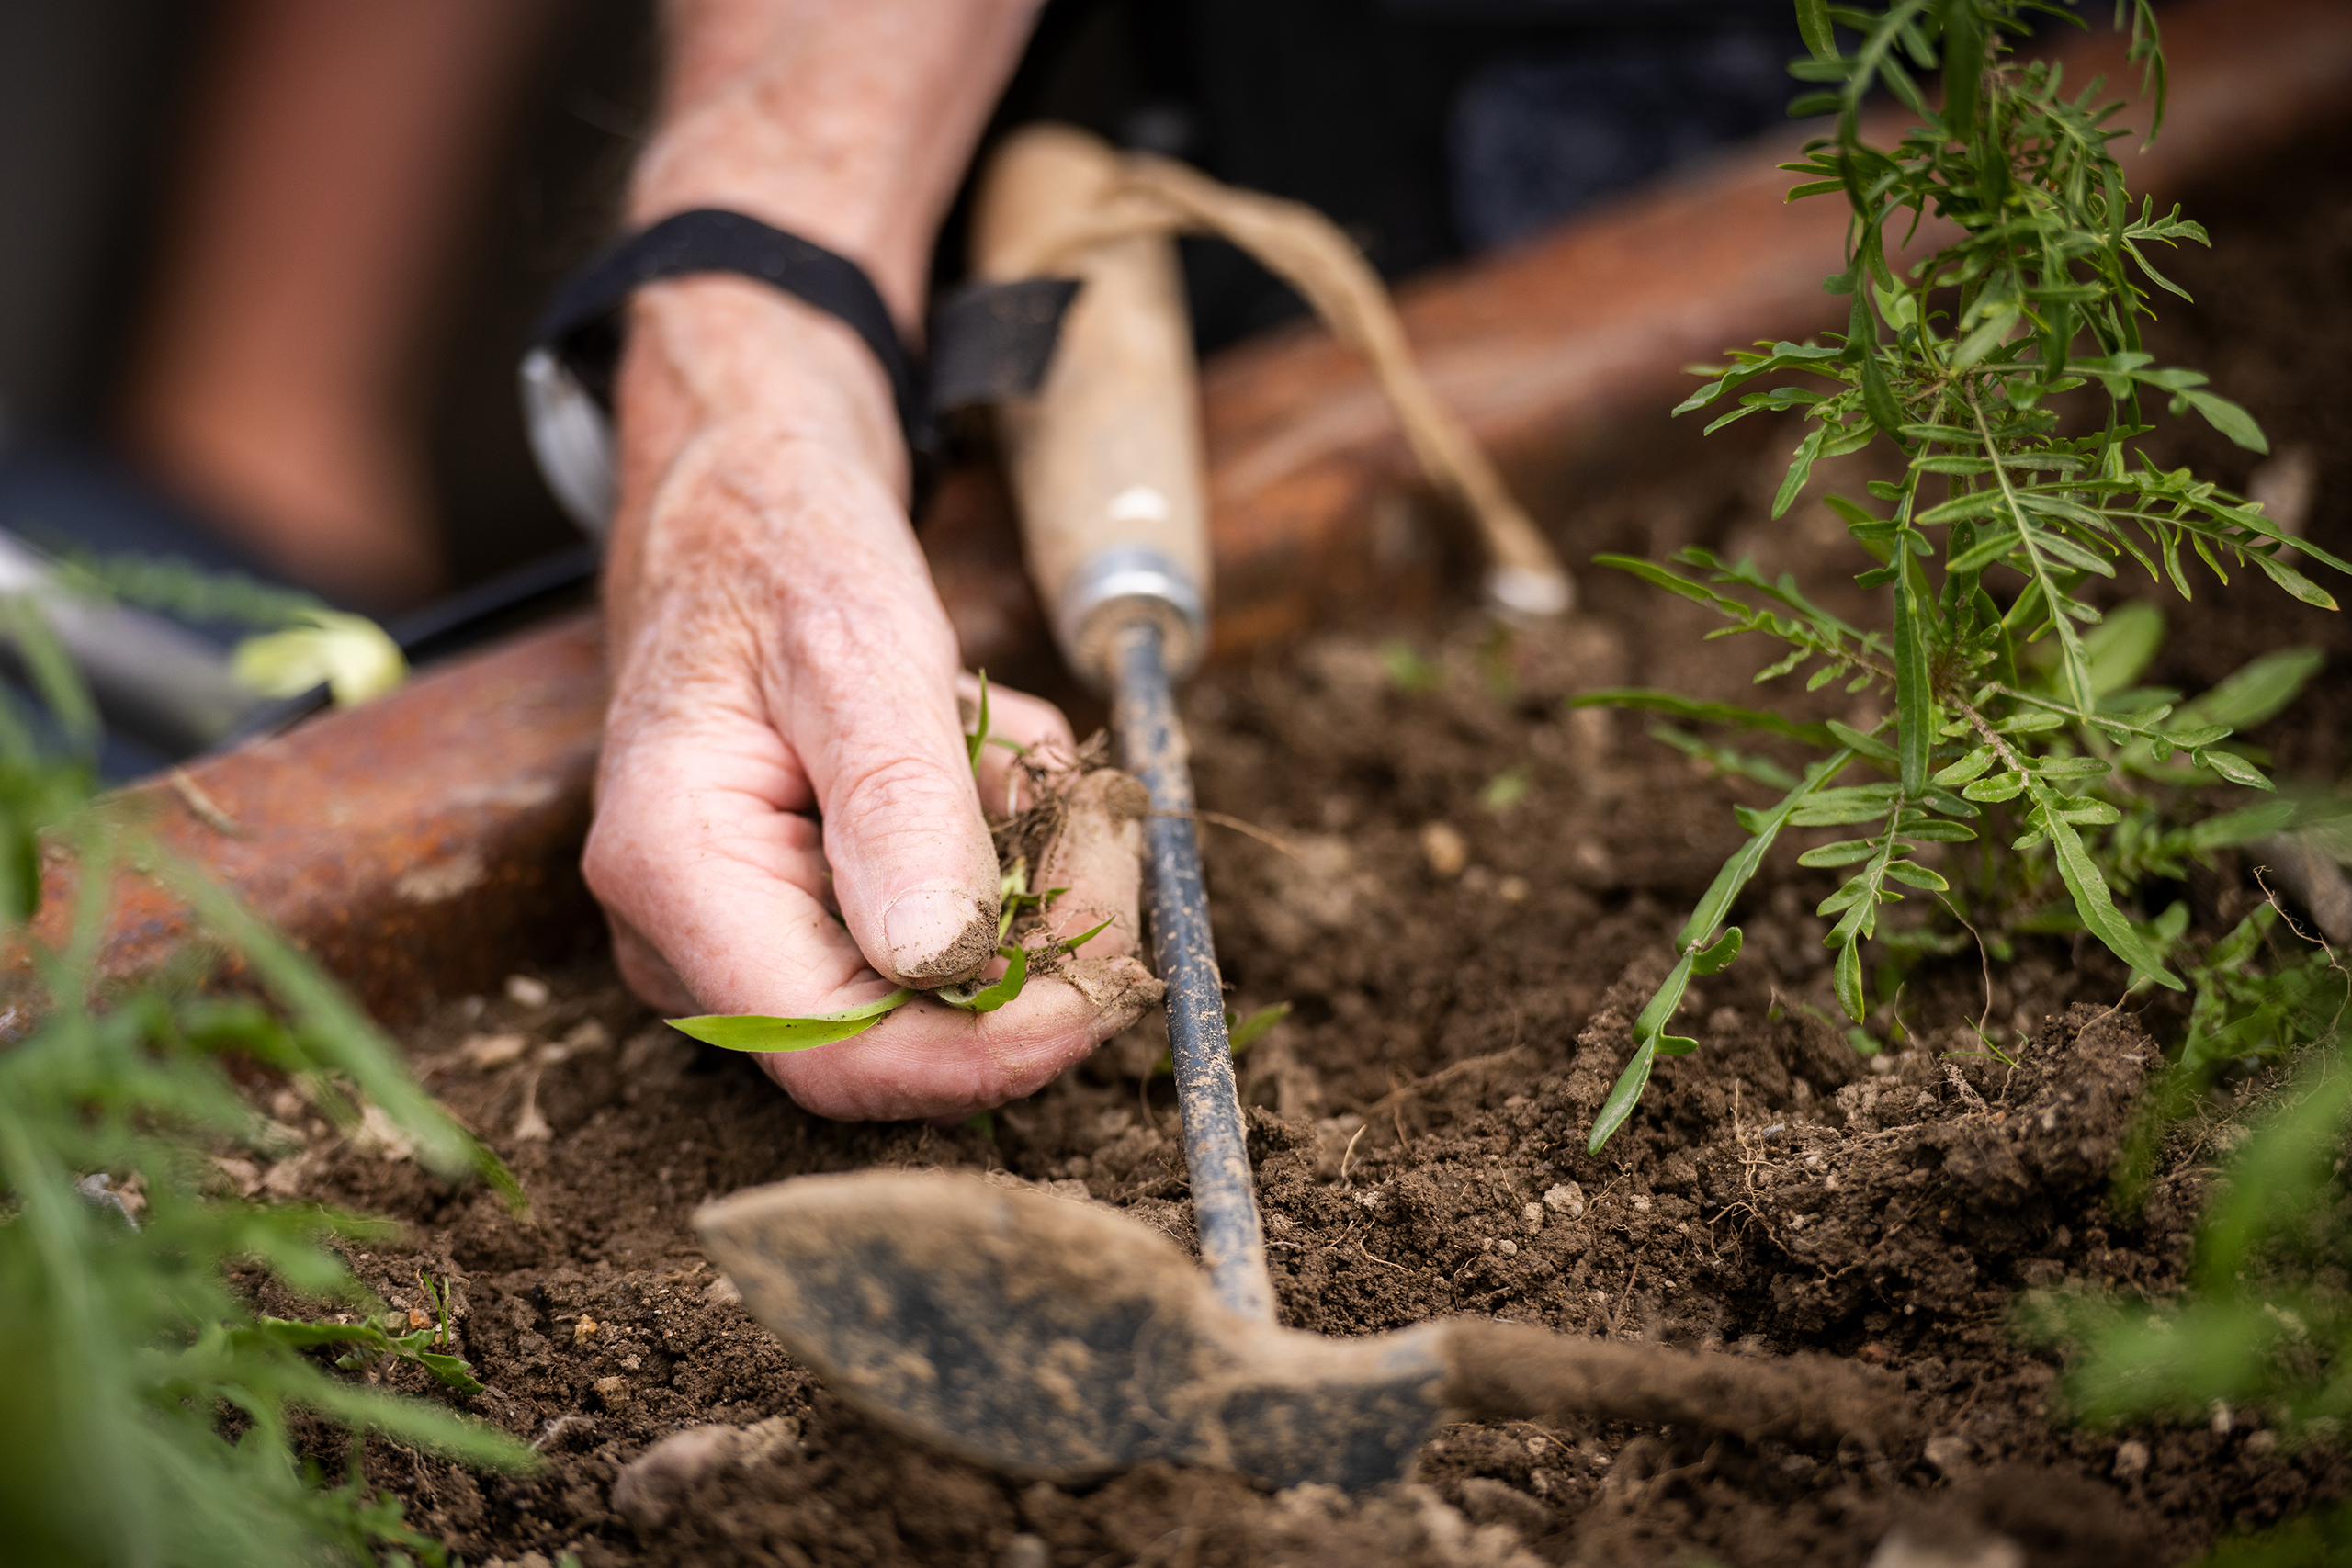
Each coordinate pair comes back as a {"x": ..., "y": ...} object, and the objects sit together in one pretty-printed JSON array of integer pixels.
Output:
[
  {"x": 1565, "y": 1197},
  {"x": 2130, "y": 1459},
  {"x": 1443, "y": 848},
  {"x": 485, "y": 1053},
  {"x": 583, "y": 1329},
  {"x": 1512, "y": 890},
  {"x": 612, "y": 1389},
  {"x": 530, "y": 993},
  {"x": 1948, "y": 1451}
]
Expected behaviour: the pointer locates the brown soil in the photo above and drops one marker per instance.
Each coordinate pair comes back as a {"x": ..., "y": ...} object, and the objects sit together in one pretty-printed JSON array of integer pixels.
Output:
[{"x": 1421, "y": 1119}]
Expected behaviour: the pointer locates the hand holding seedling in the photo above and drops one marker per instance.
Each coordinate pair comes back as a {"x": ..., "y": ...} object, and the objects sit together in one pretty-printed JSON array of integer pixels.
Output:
[{"x": 780, "y": 658}]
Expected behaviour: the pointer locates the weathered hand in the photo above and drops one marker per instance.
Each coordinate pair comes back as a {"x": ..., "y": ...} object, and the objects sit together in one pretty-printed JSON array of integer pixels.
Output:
[{"x": 786, "y": 819}]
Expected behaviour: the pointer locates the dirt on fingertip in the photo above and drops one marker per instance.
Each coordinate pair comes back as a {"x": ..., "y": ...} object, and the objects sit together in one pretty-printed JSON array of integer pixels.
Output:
[{"x": 1466, "y": 890}]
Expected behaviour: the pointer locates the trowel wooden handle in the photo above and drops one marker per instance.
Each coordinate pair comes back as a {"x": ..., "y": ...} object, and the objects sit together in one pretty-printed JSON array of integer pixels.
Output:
[{"x": 1105, "y": 459}]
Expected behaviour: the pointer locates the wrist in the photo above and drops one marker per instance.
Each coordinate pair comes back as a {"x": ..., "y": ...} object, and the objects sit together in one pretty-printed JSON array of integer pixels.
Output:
[{"x": 716, "y": 350}]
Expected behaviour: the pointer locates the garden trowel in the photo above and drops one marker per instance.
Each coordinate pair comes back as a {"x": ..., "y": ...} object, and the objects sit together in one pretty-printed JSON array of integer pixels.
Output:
[{"x": 1057, "y": 1339}]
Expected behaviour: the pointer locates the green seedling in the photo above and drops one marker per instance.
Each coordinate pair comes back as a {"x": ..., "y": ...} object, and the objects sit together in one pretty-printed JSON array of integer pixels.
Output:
[
  {"x": 2010, "y": 717},
  {"x": 147, "y": 1412},
  {"x": 2255, "y": 1330},
  {"x": 1408, "y": 668},
  {"x": 1240, "y": 1033},
  {"x": 753, "y": 1032},
  {"x": 1506, "y": 789},
  {"x": 977, "y": 739},
  {"x": 389, "y": 1336}
]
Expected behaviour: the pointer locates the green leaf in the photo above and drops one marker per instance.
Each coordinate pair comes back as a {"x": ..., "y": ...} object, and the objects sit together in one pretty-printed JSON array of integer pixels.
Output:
[
  {"x": 2096, "y": 906},
  {"x": 2236, "y": 768},
  {"x": 2294, "y": 582},
  {"x": 2229, "y": 419},
  {"x": 977, "y": 740},
  {"x": 1869, "y": 746},
  {"x": 752, "y": 1031},
  {"x": 977, "y": 998},
  {"x": 1664, "y": 1000},
  {"x": 1844, "y": 851},
  {"x": 1800, "y": 469},
  {"x": 1245, "y": 1034},
  {"x": 1071, "y": 944},
  {"x": 2120, "y": 647},
  {"x": 1683, "y": 707},
  {"x": 2254, "y": 692},
  {"x": 1963, "y": 68},
  {"x": 1878, "y": 398},
  {"x": 1812, "y": 24},
  {"x": 2243, "y": 826},
  {"x": 1675, "y": 1045},
  {"x": 1719, "y": 956},
  {"x": 1849, "y": 980},
  {"x": 1915, "y": 707},
  {"x": 1967, "y": 768},
  {"x": 1622, "y": 1098},
  {"x": 1911, "y": 874}
]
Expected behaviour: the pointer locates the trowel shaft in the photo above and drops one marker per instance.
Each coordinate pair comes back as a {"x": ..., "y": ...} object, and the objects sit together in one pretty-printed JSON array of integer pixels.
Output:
[{"x": 1225, "y": 1201}]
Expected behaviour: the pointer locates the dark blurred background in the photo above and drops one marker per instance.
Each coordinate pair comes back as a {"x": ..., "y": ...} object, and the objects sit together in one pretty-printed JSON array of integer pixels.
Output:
[{"x": 270, "y": 262}]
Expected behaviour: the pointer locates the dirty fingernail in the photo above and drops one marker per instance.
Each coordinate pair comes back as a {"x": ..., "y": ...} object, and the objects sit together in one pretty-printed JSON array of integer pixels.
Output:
[{"x": 937, "y": 933}]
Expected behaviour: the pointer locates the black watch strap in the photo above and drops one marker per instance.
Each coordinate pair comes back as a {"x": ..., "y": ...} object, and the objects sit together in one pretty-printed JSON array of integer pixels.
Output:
[
  {"x": 989, "y": 342},
  {"x": 580, "y": 323}
]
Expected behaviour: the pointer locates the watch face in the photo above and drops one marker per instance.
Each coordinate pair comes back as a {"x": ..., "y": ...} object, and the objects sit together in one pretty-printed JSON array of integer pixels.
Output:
[{"x": 571, "y": 437}]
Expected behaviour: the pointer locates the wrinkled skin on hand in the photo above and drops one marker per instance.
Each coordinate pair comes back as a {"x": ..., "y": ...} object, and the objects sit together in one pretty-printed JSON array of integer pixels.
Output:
[{"x": 786, "y": 819}]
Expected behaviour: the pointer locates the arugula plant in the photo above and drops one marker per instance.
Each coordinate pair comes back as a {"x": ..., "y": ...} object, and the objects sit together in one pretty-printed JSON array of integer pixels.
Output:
[
  {"x": 2004, "y": 368},
  {"x": 146, "y": 1409}
]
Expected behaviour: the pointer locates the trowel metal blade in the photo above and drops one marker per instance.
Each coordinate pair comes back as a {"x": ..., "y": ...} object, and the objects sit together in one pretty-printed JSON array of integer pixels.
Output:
[{"x": 1051, "y": 1337}]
